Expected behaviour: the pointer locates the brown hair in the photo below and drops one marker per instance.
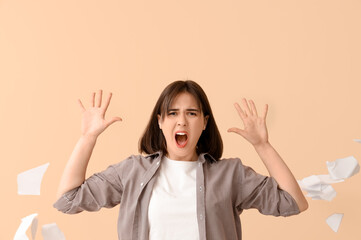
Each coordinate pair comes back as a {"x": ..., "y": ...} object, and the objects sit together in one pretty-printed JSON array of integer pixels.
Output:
[{"x": 153, "y": 139}]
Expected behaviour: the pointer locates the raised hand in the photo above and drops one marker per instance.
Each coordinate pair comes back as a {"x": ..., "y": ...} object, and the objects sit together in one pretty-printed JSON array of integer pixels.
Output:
[
  {"x": 255, "y": 130},
  {"x": 93, "y": 119}
]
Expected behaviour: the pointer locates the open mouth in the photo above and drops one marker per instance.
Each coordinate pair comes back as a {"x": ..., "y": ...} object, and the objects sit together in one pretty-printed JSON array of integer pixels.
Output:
[{"x": 181, "y": 139}]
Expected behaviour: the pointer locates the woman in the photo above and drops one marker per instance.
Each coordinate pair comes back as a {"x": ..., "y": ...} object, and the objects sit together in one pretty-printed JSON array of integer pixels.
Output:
[{"x": 181, "y": 189}]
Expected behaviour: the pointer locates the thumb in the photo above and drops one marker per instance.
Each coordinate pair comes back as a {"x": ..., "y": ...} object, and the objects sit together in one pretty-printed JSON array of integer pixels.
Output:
[
  {"x": 236, "y": 130},
  {"x": 113, "y": 120}
]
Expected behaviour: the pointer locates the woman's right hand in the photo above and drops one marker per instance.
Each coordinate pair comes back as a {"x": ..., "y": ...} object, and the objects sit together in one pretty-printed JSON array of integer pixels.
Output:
[{"x": 93, "y": 122}]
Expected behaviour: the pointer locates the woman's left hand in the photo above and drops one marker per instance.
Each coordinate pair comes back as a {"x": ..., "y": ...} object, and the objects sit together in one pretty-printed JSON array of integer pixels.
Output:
[{"x": 255, "y": 130}]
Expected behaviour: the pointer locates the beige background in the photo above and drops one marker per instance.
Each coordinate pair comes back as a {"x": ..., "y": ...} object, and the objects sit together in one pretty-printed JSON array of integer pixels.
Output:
[{"x": 301, "y": 57}]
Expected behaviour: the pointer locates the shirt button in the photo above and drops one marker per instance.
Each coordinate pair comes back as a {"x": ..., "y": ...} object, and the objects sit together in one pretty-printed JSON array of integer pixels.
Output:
[
  {"x": 141, "y": 184},
  {"x": 199, "y": 164},
  {"x": 158, "y": 162},
  {"x": 200, "y": 188},
  {"x": 201, "y": 216}
]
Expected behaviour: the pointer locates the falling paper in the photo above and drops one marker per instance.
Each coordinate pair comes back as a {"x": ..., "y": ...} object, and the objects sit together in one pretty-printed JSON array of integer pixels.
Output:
[
  {"x": 343, "y": 168},
  {"x": 25, "y": 223},
  {"x": 315, "y": 182},
  {"x": 334, "y": 221},
  {"x": 327, "y": 193},
  {"x": 318, "y": 187},
  {"x": 52, "y": 232},
  {"x": 29, "y": 181},
  {"x": 327, "y": 179}
]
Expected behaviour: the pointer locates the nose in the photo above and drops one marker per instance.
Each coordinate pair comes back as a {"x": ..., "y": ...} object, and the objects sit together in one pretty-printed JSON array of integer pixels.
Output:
[{"x": 182, "y": 121}]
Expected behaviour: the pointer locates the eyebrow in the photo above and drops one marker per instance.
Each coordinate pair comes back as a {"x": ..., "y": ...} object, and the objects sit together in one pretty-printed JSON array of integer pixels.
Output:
[{"x": 188, "y": 109}]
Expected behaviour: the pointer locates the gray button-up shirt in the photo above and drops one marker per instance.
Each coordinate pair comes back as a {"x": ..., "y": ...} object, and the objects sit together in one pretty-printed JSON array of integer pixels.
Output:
[{"x": 224, "y": 189}]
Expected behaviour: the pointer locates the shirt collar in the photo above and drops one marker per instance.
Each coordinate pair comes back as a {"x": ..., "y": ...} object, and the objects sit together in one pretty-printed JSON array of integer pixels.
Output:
[
  {"x": 202, "y": 156},
  {"x": 159, "y": 153}
]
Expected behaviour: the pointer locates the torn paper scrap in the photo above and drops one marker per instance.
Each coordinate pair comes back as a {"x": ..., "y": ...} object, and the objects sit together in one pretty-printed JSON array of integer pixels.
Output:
[
  {"x": 343, "y": 168},
  {"x": 52, "y": 232},
  {"x": 327, "y": 193},
  {"x": 25, "y": 224},
  {"x": 334, "y": 221},
  {"x": 316, "y": 182},
  {"x": 328, "y": 179},
  {"x": 29, "y": 181},
  {"x": 318, "y": 187},
  {"x": 357, "y": 140}
]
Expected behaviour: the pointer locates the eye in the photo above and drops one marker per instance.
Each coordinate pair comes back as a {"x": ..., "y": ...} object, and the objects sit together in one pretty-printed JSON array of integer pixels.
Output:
[
  {"x": 192, "y": 113},
  {"x": 172, "y": 113}
]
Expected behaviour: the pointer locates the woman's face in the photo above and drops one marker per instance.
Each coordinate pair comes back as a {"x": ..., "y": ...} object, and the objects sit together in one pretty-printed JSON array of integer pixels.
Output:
[{"x": 182, "y": 126}]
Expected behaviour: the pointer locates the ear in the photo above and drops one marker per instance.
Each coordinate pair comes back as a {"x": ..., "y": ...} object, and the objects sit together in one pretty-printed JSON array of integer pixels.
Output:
[
  {"x": 159, "y": 121},
  {"x": 205, "y": 122}
]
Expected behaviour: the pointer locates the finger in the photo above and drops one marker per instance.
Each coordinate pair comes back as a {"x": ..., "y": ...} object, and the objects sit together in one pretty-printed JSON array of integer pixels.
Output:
[
  {"x": 253, "y": 107},
  {"x": 81, "y": 105},
  {"x": 107, "y": 102},
  {"x": 99, "y": 98},
  {"x": 236, "y": 130},
  {"x": 265, "y": 112},
  {"x": 246, "y": 107},
  {"x": 92, "y": 99},
  {"x": 113, "y": 120},
  {"x": 240, "y": 111}
]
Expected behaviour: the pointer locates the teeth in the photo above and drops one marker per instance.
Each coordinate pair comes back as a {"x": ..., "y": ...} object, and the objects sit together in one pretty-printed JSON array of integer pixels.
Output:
[{"x": 180, "y": 134}]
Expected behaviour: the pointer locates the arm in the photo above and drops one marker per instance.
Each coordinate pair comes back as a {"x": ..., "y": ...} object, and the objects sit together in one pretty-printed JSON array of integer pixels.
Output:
[
  {"x": 75, "y": 169},
  {"x": 255, "y": 131},
  {"x": 278, "y": 169},
  {"x": 93, "y": 124}
]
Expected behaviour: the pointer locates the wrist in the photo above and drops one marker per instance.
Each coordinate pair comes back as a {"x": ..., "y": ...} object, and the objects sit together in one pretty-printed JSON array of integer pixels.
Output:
[
  {"x": 88, "y": 138},
  {"x": 262, "y": 146}
]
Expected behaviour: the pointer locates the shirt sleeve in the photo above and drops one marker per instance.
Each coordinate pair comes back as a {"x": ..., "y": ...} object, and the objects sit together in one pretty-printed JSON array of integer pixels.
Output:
[
  {"x": 263, "y": 193},
  {"x": 103, "y": 189}
]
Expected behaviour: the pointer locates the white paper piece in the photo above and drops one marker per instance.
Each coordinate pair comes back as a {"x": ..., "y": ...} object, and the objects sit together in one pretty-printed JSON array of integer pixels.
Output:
[
  {"x": 357, "y": 140},
  {"x": 328, "y": 179},
  {"x": 334, "y": 221},
  {"x": 52, "y": 232},
  {"x": 327, "y": 193},
  {"x": 343, "y": 168},
  {"x": 29, "y": 181},
  {"x": 318, "y": 187},
  {"x": 25, "y": 224}
]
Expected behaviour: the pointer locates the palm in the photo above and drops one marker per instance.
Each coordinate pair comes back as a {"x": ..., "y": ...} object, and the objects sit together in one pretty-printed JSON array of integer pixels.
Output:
[
  {"x": 255, "y": 130},
  {"x": 93, "y": 119}
]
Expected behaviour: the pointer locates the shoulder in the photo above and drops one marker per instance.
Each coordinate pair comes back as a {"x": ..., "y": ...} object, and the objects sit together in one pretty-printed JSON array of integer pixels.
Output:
[
  {"x": 135, "y": 162},
  {"x": 231, "y": 161},
  {"x": 226, "y": 164}
]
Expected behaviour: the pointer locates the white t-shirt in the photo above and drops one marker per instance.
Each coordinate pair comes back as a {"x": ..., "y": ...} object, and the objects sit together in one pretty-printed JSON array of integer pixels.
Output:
[{"x": 172, "y": 212}]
